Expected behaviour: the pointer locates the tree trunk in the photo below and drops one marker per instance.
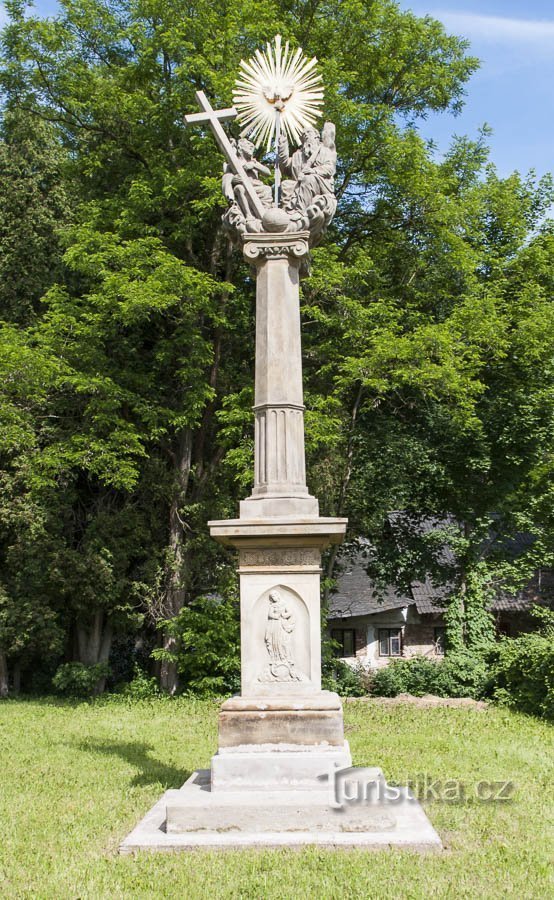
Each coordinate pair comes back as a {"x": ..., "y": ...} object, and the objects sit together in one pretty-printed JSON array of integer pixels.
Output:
[
  {"x": 463, "y": 591},
  {"x": 3, "y": 675},
  {"x": 175, "y": 594},
  {"x": 16, "y": 677},
  {"x": 94, "y": 644},
  {"x": 462, "y": 608},
  {"x": 89, "y": 639},
  {"x": 104, "y": 655}
]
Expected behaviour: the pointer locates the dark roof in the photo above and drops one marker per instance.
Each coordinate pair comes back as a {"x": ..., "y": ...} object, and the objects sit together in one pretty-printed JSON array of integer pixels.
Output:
[
  {"x": 357, "y": 595},
  {"x": 429, "y": 598},
  {"x": 540, "y": 590}
]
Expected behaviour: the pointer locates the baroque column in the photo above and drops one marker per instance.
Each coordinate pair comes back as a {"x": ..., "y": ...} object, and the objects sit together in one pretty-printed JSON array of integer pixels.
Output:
[{"x": 279, "y": 457}]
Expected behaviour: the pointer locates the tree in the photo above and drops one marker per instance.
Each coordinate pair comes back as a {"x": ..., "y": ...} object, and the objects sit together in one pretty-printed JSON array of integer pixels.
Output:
[
  {"x": 449, "y": 377},
  {"x": 34, "y": 206},
  {"x": 150, "y": 324},
  {"x": 29, "y": 625}
]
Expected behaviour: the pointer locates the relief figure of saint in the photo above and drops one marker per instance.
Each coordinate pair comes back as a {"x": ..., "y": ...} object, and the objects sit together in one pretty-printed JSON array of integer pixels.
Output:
[{"x": 278, "y": 641}]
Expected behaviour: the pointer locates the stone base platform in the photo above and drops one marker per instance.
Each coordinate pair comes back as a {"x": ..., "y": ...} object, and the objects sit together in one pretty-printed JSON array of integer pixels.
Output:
[{"x": 194, "y": 817}]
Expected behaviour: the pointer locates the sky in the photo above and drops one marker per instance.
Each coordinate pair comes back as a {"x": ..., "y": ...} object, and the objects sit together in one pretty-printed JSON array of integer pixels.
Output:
[{"x": 513, "y": 91}]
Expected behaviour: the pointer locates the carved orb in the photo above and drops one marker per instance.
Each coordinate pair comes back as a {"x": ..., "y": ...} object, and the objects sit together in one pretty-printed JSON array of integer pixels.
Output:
[{"x": 275, "y": 220}]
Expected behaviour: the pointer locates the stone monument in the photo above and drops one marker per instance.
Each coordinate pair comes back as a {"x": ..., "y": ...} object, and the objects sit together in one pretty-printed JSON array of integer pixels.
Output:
[{"x": 282, "y": 739}]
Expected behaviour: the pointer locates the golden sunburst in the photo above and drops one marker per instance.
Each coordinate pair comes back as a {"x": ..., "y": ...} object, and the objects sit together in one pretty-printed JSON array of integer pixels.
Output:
[{"x": 277, "y": 89}]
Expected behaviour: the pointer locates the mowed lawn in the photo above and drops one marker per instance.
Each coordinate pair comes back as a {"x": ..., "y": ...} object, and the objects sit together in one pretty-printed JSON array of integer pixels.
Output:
[{"x": 76, "y": 777}]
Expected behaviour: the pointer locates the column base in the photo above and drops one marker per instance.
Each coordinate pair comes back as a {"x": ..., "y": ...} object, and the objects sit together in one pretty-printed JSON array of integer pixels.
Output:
[
  {"x": 279, "y": 743},
  {"x": 311, "y": 720},
  {"x": 276, "y": 767},
  {"x": 268, "y": 507}
]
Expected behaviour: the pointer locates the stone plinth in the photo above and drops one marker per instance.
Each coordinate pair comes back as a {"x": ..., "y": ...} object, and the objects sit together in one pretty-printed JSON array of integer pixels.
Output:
[
  {"x": 276, "y": 767},
  {"x": 279, "y": 743},
  {"x": 283, "y": 732},
  {"x": 315, "y": 721},
  {"x": 195, "y": 817},
  {"x": 279, "y": 531}
]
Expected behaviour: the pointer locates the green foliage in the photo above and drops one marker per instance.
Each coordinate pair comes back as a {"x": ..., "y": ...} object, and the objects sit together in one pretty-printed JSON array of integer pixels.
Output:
[
  {"x": 469, "y": 622},
  {"x": 126, "y": 369},
  {"x": 141, "y": 687},
  {"x": 208, "y": 654},
  {"x": 78, "y": 680},
  {"x": 522, "y": 670},
  {"x": 29, "y": 628},
  {"x": 458, "y": 675},
  {"x": 34, "y": 208},
  {"x": 336, "y": 675}
]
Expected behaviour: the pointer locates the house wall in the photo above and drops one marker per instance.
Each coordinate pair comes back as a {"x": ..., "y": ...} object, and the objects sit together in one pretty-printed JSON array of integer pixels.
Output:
[{"x": 418, "y": 636}]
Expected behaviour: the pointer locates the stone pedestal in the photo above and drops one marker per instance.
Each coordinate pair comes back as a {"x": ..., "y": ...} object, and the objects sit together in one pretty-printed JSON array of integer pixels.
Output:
[
  {"x": 279, "y": 743},
  {"x": 196, "y": 817},
  {"x": 283, "y": 732},
  {"x": 314, "y": 721}
]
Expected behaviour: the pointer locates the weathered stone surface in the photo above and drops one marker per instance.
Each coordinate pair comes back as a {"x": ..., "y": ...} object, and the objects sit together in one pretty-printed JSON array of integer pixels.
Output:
[
  {"x": 280, "y": 559},
  {"x": 280, "y": 633},
  {"x": 194, "y": 817},
  {"x": 279, "y": 459},
  {"x": 278, "y": 531},
  {"x": 273, "y": 506},
  {"x": 315, "y": 719},
  {"x": 285, "y": 818},
  {"x": 276, "y": 767},
  {"x": 283, "y": 726},
  {"x": 323, "y": 700}
]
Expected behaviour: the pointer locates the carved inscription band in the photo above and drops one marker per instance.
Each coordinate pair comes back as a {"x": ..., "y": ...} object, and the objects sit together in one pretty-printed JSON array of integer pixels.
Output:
[{"x": 280, "y": 557}]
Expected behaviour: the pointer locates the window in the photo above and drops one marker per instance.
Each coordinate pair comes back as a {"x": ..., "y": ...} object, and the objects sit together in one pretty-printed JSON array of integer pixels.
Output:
[
  {"x": 344, "y": 637},
  {"x": 440, "y": 641},
  {"x": 390, "y": 642}
]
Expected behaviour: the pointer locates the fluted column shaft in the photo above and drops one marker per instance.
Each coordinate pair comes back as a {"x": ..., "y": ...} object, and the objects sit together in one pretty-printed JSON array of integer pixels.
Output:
[{"x": 279, "y": 467}]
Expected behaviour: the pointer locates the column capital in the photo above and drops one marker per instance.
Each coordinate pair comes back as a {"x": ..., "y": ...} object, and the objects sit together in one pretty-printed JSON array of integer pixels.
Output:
[{"x": 292, "y": 245}]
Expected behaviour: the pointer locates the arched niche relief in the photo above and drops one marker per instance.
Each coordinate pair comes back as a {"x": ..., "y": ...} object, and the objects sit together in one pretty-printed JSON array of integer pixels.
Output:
[{"x": 282, "y": 635}]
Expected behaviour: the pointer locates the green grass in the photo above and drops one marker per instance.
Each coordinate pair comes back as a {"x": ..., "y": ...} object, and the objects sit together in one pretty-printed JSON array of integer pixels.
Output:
[{"x": 75, "y": 778}]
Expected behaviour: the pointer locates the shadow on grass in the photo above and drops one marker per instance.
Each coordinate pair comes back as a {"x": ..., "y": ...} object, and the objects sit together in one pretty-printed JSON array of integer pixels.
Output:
[{"x": 151, "y": 771}]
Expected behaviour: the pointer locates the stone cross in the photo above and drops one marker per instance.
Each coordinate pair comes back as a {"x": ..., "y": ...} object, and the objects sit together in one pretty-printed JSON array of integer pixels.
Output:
[{"x": 214, "y": 117}]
